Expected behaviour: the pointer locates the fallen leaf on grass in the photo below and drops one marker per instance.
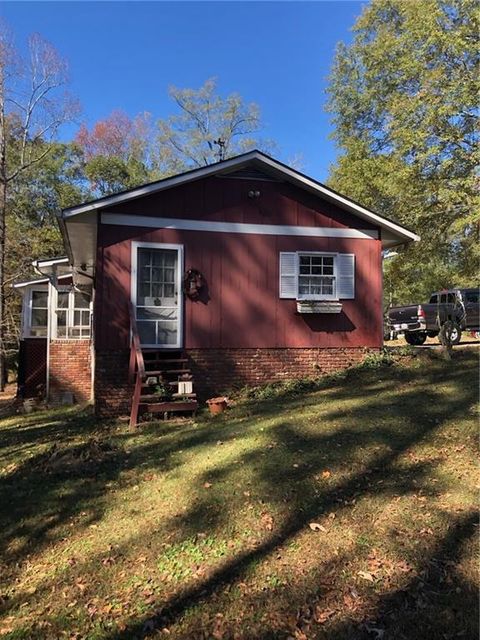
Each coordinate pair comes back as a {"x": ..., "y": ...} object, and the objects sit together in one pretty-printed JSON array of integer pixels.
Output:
[
  {"x": 326, "y": 474},
  {"x": 314, "y": 526},
  {"x": 366, "y": 576},
  {"x": 207, "y": 485},
  {"x": 267, "y": 521},
  {"x": 322, "y": 616}
]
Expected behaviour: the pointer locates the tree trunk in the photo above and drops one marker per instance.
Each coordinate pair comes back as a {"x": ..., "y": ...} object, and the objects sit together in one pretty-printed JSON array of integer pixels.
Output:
[
  {"x": 3, "y": 203},
  {"x": 3, "y": 208}
]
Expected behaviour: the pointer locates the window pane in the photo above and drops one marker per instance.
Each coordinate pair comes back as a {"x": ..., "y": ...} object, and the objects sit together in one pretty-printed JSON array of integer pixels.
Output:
[
  {"x": 61, "y": 318},
  {"x": 157, "y": 274},
  {"x": 82, "y": 300},
  {"x": 167, "y": 332},
  {"x": 157, "y": 290},
  {"x": 170, "y": 258},
  {"x": 158, "y": 258},
  {"x": 39, "y": 317},
  {"x": 62, "y": 300},
  {"x": 169, "y": 290},
  {"x": 40, "y": 299},
  {"x": 146, "y": 331},
  {"x": 144, "y": 257},
  {"x": 472, "y": 297}
]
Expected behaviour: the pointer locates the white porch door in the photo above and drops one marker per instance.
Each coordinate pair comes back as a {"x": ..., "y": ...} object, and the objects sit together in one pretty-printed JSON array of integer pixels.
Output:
[{"x": 157, "y": 294}]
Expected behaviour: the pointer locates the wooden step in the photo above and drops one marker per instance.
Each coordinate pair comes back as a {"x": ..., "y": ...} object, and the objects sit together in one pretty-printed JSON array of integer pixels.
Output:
[
  {"x": 148, "y": 397},
  {"x": 165, "y": 407},
  {"x": 172, "y": 383},
  {"x": 158, "y": 372},
  {"x": 164, "y": 360}
]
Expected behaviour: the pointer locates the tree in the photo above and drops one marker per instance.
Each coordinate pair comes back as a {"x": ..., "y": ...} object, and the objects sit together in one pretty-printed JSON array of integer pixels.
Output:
[
  {"x": 34, "y": 198},
  {"x": 404, "y": 98},
  {"x": 208, "y": 128},
  {"x": 33, "y": 106},
  {"x": 119, "y": 152}
]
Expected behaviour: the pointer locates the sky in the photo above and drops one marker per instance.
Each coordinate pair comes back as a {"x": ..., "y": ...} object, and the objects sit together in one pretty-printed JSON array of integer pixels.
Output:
[{"x": 124, "y": 55}]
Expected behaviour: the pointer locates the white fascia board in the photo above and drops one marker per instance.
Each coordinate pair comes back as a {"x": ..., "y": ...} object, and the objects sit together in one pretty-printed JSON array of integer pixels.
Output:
[
  {"x": 19, "y": 285},
  {"x": 167, "y": 183},
  {"x": 234, "y": 227},
  {"x": 50, "y": 262}
]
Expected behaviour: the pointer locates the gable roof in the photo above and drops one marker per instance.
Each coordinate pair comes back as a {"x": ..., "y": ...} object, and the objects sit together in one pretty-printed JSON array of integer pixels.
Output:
[{"x": 393, "y": 234}]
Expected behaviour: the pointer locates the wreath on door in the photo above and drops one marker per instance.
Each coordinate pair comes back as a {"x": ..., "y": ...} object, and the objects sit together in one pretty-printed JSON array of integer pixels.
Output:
[{"x": 193, "y": 283}]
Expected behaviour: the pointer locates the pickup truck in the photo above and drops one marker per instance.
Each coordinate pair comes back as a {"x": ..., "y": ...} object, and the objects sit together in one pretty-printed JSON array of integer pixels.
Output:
[{"x": 461, "y": 307}]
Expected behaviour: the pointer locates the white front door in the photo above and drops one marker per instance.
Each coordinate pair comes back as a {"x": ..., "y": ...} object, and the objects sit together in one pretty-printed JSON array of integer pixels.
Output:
[{"x": 156, "y": 293}]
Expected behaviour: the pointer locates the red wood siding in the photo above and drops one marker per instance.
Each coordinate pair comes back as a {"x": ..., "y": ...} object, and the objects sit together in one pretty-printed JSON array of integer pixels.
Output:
[
  {"x": 243, "y": 309},
  {"x": 224, "y": 199}
]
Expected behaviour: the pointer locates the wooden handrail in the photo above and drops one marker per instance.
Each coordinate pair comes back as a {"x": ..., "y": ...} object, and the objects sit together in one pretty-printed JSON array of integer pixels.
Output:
[
  {"x": 135, "y": 343},
  {"x": 136, "y": 367}
]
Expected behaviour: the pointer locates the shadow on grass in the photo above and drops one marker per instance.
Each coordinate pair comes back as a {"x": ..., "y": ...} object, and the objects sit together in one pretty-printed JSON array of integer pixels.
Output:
[
  {"x": 424, "y": 411},
  {"x": 37, "y": 508}
]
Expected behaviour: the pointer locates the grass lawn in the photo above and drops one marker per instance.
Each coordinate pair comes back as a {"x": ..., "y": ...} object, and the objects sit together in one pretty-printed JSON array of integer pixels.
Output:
[{"x": 345, "y": 512}]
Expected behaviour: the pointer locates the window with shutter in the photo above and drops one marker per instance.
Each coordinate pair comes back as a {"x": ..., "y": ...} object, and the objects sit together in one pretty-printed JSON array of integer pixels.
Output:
[
  {"x": 317, "y": 276},
  {"x": 288, "y": 275}
]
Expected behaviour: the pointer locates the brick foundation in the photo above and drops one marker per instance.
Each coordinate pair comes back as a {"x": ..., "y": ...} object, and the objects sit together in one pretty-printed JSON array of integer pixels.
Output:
[
  {"x": 218, "y": 371},
  {"x": 70, "y": 369},
  {"x": 113, "y": 392}
]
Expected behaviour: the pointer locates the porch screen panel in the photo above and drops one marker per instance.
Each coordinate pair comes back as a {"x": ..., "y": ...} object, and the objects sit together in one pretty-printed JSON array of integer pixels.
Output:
[{"x": 157, "y": 297}]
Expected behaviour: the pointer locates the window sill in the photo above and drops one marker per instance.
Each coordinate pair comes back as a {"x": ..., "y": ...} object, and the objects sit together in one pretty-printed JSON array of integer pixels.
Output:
[{"x": 319, "y": 306}]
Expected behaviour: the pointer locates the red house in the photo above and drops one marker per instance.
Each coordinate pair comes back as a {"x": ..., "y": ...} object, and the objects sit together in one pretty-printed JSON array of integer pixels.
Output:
[{"x": 241, "y": 272}]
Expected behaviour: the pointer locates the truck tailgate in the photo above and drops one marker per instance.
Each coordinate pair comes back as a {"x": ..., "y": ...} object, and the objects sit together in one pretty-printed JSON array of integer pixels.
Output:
[{"x": 403, "y": 315}]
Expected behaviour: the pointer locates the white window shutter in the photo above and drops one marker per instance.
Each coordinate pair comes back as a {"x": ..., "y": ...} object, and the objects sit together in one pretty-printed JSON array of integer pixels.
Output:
[
  {"x": 346, "y": 276},
  {"x": 288, "y": 275}
]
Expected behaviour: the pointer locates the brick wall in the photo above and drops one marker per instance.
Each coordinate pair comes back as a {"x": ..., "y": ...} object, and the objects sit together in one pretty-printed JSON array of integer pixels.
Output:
[
  {"x": 70, "y": 369},
  {"x": 217, "y": 371}
]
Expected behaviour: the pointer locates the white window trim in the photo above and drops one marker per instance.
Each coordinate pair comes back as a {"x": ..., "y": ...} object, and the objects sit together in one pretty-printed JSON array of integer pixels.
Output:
[
  {"x": 317, "y": 297},
  {"x": 27, "y": 313},
  {"x": 70, "y": 314},
  {"x": 133, "y": 286}
]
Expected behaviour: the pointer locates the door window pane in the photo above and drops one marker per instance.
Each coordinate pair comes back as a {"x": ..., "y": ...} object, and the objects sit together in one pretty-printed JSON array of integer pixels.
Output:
[
  {"x": 146, "y": 331},
  {"x": 167, "y": 332},
  {"x": 157, "y": 296}
]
